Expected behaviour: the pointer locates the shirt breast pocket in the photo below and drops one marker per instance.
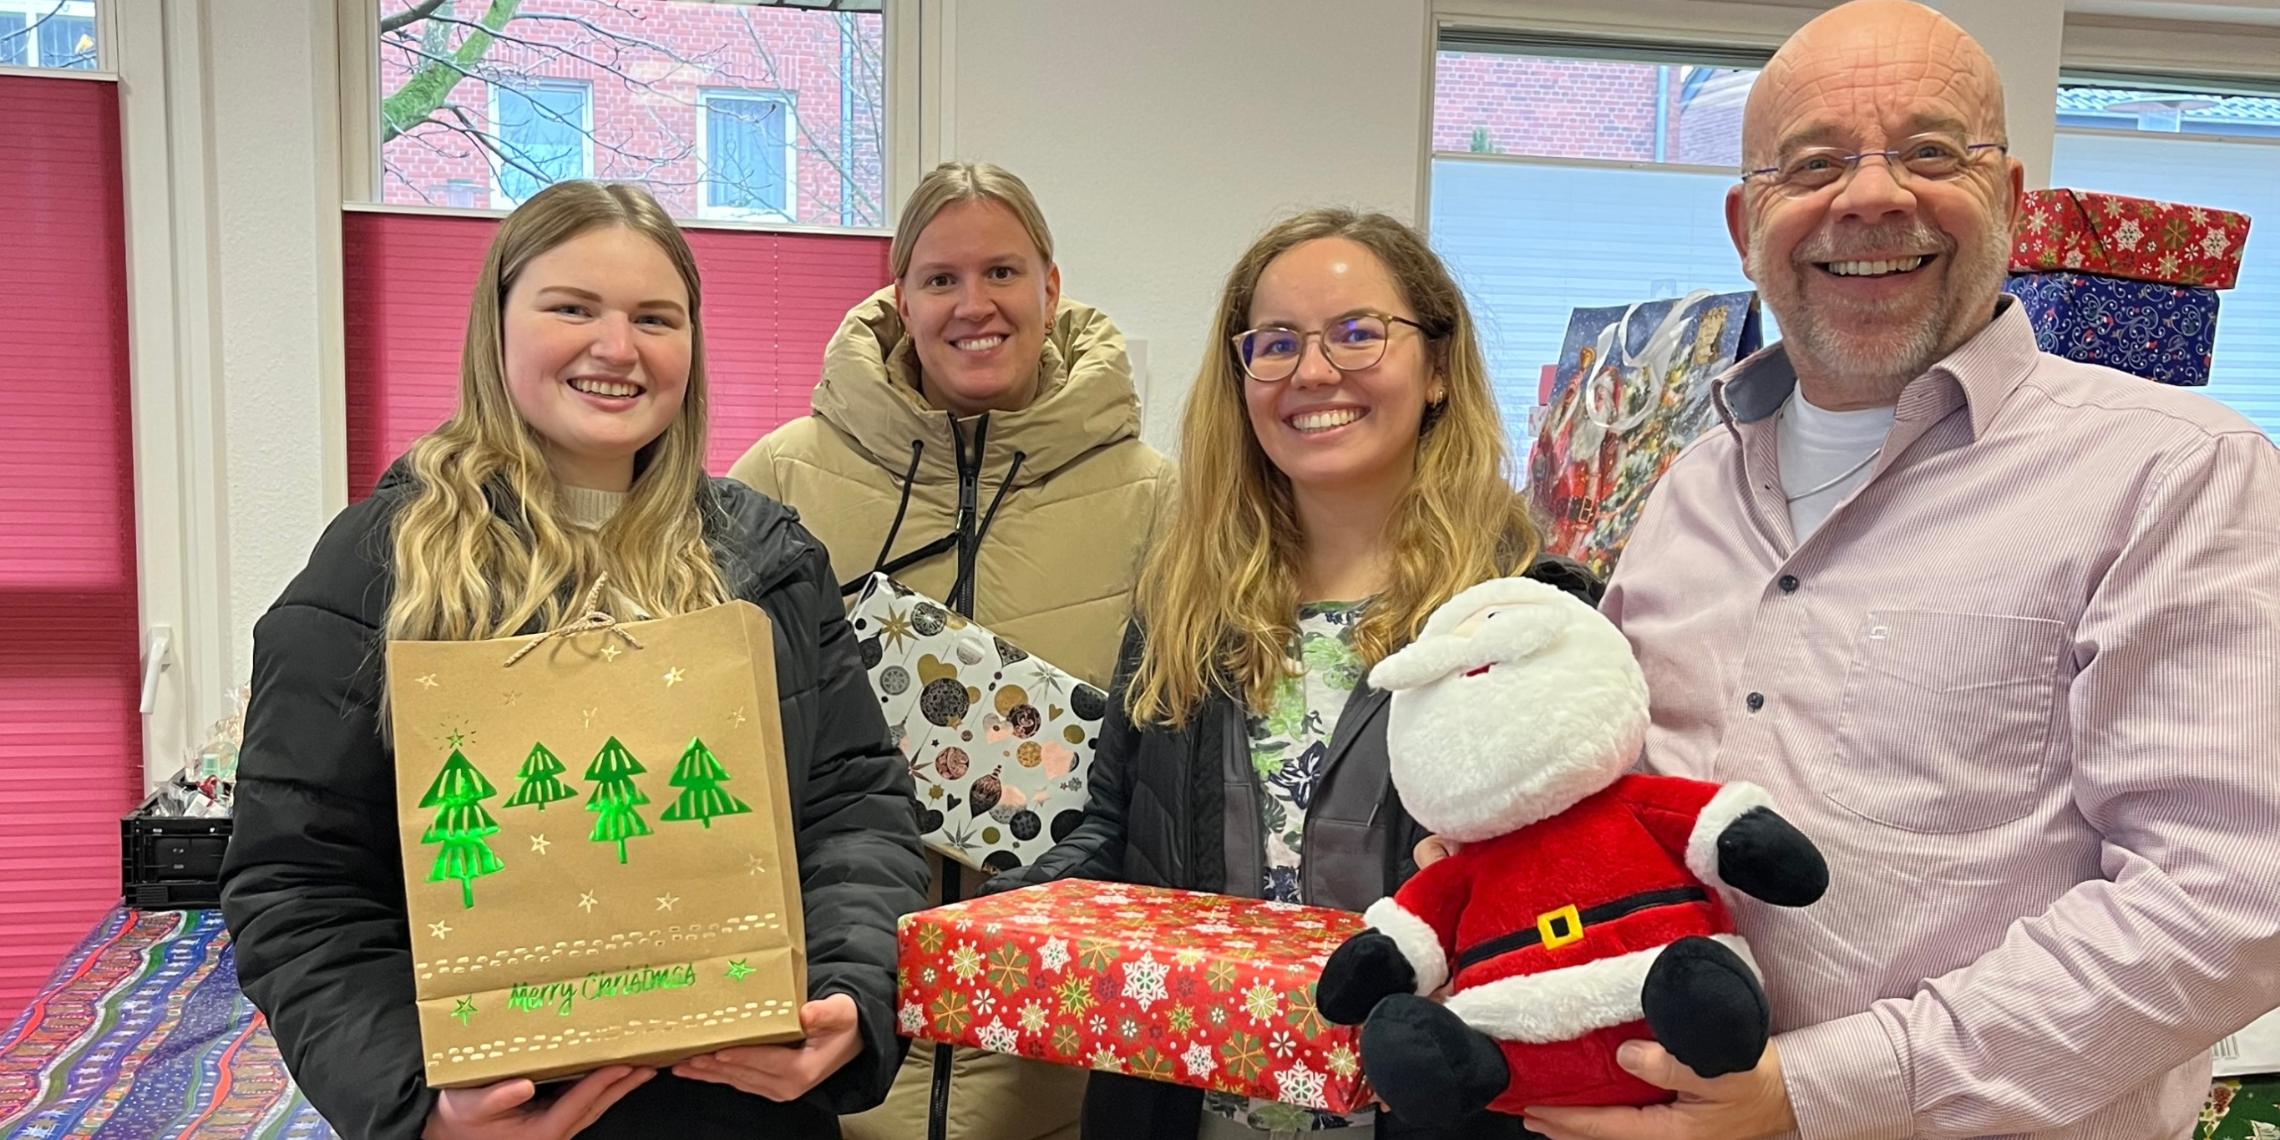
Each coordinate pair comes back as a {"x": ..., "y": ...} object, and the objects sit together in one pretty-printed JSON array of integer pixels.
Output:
[{"x": 1944, "y": 725}]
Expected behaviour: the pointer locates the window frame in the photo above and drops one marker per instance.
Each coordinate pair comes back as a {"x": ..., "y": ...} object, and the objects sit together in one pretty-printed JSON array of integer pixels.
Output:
[
  {"x": 2161, "y": 82},
  {"x": 1521, "y": 42},
  {"x": 789, "y": 109},
  {"x": 584, "y": 127},
  {"x": 2151, "y": 81},
  {"x": 916, "y": 113},
  {"x": 106, "y": 23}
]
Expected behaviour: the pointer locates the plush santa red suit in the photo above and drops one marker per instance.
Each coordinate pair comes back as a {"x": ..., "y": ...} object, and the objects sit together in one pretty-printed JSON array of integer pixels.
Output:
[
  {"x": 1583, "y": 907},
  {"x": 1545, "y": 934}
]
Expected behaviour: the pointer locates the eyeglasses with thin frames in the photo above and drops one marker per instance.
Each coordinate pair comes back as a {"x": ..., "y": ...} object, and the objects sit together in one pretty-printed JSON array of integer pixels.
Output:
[
  {"x": 1930, "y": 157},
  {"x": 1270, "y": 354}
]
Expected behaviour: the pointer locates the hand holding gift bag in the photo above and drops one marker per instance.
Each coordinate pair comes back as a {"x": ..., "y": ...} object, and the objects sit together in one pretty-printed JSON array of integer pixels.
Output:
[{"x": 636, "y": 903}]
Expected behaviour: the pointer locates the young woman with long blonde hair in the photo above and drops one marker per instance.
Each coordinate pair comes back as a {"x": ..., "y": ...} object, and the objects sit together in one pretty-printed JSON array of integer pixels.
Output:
[
  {"x": 1343, "y": 472},
  {"x": 577, "y": 450}
]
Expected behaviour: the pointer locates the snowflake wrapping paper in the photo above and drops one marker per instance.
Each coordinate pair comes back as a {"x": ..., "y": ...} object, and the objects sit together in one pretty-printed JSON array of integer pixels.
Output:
[
  {"x": 999, "y": 741},
  {"x": 2160, "y": 332},
  {"x": 2137, "y": 238},
  {"x": 1201, "y": 990}
]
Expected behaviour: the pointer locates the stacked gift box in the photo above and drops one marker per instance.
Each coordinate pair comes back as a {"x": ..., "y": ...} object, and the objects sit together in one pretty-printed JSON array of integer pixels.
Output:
[{"x": 2129, "y": 283}]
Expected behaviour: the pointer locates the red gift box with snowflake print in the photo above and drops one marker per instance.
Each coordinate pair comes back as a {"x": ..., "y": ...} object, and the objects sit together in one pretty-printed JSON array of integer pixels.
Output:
[
  {"x": 2138, "y": 238},
  {"x": 1202, "y": 990}
]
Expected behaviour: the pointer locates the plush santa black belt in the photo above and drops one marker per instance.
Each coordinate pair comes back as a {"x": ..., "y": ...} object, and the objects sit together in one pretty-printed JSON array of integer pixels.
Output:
[{"x": 1559, "y": 927}]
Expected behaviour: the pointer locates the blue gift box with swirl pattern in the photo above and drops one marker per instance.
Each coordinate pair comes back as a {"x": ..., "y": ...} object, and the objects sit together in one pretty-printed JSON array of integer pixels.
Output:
[{"x": 2160, "y": 332}]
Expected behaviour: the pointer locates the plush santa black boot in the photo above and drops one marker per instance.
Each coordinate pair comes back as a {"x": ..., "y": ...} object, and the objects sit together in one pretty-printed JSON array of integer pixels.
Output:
[
  {"x": 1429, "y": 1067},
  {"x": 1705, "y": 1006}
]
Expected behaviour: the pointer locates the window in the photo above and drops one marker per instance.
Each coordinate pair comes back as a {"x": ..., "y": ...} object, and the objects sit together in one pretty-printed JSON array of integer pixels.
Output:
[
  {"x": 2207, "y": 148},
  {"x": 48, "y": 33},
  {"x": 540, "y": 135},
  {"x": 748, "y": 160},
  {"x": 760, "y": 109},
  {"x": 1574, "y": 175}
]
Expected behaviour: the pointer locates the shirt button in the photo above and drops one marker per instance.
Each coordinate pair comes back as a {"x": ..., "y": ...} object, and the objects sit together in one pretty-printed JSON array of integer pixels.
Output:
[
  {"x": 1789, "y": 583},
  {"x": 1756, "y": 701}
]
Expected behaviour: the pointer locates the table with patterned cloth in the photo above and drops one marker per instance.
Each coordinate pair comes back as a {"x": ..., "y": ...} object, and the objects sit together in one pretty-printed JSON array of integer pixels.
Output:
[{"x": 142, "y": 1034}]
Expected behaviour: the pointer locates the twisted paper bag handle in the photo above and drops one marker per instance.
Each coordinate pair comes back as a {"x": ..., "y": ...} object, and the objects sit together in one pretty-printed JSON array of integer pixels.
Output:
[{"x": 596, "y": 618}]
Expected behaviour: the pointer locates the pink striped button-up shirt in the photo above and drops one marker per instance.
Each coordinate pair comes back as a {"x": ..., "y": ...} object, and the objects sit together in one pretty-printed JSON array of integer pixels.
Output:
[{"x": 2023, "y": 688}]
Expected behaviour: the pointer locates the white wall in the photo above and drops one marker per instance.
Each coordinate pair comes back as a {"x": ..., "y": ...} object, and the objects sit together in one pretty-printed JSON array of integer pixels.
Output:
[
  {"x": 1161, "y": 137},
  {"x": 277, "y": 225},
  {"x": 231, "y": 159}
]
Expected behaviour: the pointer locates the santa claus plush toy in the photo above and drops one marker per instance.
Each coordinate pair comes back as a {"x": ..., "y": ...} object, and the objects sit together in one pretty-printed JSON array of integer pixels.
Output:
[{"x": 1584, "y": 907}]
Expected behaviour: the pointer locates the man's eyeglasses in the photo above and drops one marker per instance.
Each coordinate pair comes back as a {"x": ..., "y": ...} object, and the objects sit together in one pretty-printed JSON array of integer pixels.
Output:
[
  {"x": 1933, "y": 158},
  {"x": 1271, "y": 354}
]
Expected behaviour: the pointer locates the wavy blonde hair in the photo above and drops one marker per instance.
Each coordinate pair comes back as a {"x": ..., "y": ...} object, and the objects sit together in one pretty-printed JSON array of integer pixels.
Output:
[
  {"x": 1219, "y": 593},
  {"x": 480, "y": 548}
]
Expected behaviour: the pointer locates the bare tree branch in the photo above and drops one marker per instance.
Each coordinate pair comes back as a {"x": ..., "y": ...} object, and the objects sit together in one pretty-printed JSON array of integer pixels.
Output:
[
  {"x": 865, "y": 209},
  {"x": 607, "y": 51},
  {"x": 630, "y": 79},
  {"x": 429, "y": 86},
  {"x": 411, "y": 15}
]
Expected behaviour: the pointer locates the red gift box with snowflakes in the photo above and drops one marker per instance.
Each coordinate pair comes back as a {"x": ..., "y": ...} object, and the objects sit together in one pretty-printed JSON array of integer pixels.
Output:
[
  {"x": 2137, "y": 238},
  {"x": 1201, "y": 990}
]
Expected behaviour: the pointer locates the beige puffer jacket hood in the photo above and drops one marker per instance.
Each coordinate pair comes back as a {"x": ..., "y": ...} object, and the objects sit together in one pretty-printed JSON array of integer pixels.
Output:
[{"x": 1047, "y": 523}]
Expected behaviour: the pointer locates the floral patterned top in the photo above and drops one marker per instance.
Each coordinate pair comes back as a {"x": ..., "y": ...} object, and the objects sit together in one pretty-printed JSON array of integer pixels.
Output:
[{"x": 1290, "y": 742}]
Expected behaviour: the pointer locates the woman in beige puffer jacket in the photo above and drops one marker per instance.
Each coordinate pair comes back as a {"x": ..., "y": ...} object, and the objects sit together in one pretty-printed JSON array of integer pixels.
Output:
[{"x": 976, "y": 436}]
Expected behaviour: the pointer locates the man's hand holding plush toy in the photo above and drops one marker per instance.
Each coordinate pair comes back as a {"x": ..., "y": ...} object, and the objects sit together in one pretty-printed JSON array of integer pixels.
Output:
[{"x": 1582, "y": 907}]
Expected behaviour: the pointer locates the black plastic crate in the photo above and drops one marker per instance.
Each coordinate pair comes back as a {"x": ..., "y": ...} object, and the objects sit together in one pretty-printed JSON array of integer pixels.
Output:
[{"x": 171, "y": 864}]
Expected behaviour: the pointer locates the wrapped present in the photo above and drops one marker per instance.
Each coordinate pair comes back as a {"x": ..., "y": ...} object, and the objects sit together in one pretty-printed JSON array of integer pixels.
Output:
[
  {"x": 1201, "y": 990},
  {"x": 999, "y": 741},
  {"x": 2138, "y": 238},
  {"x": 1632, "y": 389},
  {"x": 2160, "y": 332},
  {"x": 597, "y": 845}
]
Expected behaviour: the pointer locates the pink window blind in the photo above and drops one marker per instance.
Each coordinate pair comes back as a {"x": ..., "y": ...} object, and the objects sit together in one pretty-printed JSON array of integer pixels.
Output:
[
  {"x": 70, "y": 732},
  {"x": 772, "y": 300}
]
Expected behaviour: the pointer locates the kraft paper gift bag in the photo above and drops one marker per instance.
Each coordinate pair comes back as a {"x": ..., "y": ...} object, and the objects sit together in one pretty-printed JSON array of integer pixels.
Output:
[
  {"x": 597, "y": 845},
  {"x": 1632, "y": 390},
  {"x": 1000, "y": 742}
]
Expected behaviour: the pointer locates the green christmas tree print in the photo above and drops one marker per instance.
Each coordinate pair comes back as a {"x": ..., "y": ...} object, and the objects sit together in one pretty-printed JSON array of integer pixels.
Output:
[
  {"x": 541, "y": 782},
  {"x": 698, "y": 775},
  {"x": 615, "y": 796},
  {"x": 461, "y": 825}
]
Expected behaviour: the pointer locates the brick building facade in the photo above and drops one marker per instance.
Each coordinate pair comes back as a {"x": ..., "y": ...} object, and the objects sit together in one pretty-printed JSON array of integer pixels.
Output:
[
  {"x": 1556, "y": 108},
  {"x": 646, "y": 67}
]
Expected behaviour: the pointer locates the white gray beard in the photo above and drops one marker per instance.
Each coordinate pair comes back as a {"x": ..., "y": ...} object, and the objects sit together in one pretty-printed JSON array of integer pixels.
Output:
[{"x": 1877, "y": 371}]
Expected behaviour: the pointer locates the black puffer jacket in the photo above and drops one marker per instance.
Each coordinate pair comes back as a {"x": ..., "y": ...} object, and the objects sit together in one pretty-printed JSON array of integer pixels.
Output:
[
  {"x": 1178, "y": 807},
  {"x": 313, "y": 889}
]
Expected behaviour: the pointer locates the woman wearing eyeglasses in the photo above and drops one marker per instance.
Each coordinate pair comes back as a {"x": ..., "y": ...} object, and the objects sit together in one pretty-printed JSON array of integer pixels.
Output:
[
  {"x": 1343, "y": 472},
  {"x": 976, "y": 435}
]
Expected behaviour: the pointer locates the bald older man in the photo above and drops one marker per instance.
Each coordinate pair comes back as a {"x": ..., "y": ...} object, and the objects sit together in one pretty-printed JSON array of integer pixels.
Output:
[{"x": 2000, "y": 631}]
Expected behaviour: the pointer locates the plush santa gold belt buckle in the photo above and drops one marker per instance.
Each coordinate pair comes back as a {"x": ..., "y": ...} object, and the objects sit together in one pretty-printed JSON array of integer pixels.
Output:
[{"x": 1560, "y": 927}]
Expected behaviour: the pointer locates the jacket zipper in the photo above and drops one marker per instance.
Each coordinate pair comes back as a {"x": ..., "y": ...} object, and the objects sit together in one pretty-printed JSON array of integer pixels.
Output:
[
  {"x": 961, "y": 602},
  {"x": 969, "y": 502}
]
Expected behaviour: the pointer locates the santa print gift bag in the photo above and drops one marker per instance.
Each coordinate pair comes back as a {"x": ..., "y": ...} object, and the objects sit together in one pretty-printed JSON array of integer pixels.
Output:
[
  {"x": 999, "y": 742},
  {"x": 1632, "y": 389},
  {"x": 597, "y": 845}
]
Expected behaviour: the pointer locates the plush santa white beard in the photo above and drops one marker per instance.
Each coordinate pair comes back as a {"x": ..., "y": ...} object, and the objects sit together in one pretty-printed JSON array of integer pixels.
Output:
[{"x": 1478, "y": 757}]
